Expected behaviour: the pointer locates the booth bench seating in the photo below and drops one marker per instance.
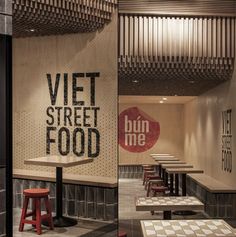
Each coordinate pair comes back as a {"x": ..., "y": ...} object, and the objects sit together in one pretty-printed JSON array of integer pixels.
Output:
[
  {"x": 219, "y": 199},
  {"x": 83, "y": 196}
]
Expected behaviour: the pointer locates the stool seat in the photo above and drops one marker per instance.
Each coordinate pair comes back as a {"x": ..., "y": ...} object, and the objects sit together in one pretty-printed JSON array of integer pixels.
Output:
[
  {"x": 153, "y": 177},
  {"x": 148, "y": 168},
  {"x": 159, "y": 189},
  {"x": 122, "y": 233},
  {"x": 36, "y": 192},
  {"x": 151, "y": 182}
]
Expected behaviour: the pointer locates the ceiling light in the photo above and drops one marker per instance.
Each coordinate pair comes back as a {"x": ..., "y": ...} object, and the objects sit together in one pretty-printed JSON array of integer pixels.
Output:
[
  {"x": 32, "y": 30},
  {"x": 164, "y": 98},
  {"x": 161, "y": 101},
  {"x": 191, "y": 82},
  {"x": 135, "y": 81}
]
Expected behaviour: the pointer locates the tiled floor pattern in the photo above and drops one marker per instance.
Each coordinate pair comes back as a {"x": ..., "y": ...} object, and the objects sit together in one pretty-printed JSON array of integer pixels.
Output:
[
  {"x": 129, "y": 218},
  {"x": 84, "y": 228},
  {"x": 204, "y": 228}
]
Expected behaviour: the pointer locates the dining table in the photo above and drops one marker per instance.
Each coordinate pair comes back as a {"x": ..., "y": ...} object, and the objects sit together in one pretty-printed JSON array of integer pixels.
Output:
[
  {"x": 160, "y": 160},
  {"x": 165, "y": 158},
  {"x": 159, "y": 154},
  {"x": 183, "y": 172},
  {"x": 165, "y": 174},
  {"x": 167, "y": 204},
  {"x": 59, "y": 162},
  {"x": 187, "y": 228}
]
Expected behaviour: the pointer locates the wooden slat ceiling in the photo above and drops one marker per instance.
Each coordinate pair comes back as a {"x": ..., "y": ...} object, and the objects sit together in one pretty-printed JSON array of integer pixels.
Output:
[
  {"x": 179, "y": 7},
  {"x": 173, "y": 54},
  {"x": 51, "y": 17}
]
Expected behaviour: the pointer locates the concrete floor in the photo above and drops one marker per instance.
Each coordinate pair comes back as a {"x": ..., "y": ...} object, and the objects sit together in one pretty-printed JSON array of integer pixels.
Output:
[
  {"x": 84, "y": 228},
  {"x": 129, "y": 218}
]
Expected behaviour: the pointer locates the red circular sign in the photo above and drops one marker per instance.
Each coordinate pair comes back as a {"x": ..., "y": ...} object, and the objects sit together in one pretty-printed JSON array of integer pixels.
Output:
[{"x": 138, "y": 132}]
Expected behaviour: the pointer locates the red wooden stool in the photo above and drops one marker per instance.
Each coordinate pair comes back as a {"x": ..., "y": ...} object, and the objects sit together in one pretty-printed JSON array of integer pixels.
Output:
[
  {"x": 36, "y": 194},
  {"x": 150, "y": 177},
  {"x": 153, "y": 183},
  {"x": 122, "y": 233},
  {"x": 146, "y": 173}
]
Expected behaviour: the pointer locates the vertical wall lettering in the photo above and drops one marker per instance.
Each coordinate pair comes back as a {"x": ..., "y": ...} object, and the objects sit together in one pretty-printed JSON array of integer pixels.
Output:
[
  {"x": 84, "y": 138},
  {"x": 227, "y": 140}
]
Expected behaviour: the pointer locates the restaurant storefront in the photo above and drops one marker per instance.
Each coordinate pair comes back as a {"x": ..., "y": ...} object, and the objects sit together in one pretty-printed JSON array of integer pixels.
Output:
[{"x": 117, "y": 118}]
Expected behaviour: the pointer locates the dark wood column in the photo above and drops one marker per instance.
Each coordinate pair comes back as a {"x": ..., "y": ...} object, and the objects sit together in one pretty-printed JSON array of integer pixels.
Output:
[{"x": 6, "y": 219}]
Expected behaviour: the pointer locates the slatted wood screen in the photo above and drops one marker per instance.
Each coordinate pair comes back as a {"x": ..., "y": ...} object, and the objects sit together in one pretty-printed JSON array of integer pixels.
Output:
[
  {"x": 50, "y": 17},
  {"x": 148, "y": 36},
  {"x": 176, "y": 48},
  {"x": 179, "y": 7}
]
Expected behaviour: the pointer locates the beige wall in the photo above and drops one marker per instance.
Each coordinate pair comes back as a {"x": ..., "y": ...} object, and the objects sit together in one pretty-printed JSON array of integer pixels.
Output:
[
  {"x": 203, "y": 127},
  {"x": 171, "y": 138},
  {"x": 87, "y": 52}
]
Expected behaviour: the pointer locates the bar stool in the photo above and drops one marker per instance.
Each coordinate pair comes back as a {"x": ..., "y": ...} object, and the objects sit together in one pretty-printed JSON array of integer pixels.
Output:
[
  {"x": 152, "y": 183},
  {"x": 150, "y": 177},
  {"x": 159, "y": 189},
  {"x": 36, "y": 194},
  {"x": 122, "y": 233},
  {"x": 146, "y": 173}
]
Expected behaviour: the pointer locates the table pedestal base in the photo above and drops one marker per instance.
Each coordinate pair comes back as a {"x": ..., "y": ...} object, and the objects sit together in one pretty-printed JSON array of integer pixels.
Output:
[
  {"x": 62, "y": 222},
  {"x": 184, "y": 213},
  {"x": 167, "y": 215}
]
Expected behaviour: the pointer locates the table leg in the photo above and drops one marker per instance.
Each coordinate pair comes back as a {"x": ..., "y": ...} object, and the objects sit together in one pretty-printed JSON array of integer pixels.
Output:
[
  {"x": 166, "y": 179},
  {"x": 176, "y": 185},
  {"x": 159, "y": 168},
  {"x": 59, "y": 220},
  {"x": 184, "y": 213},
  {"x": 171, "y": 184},
  {"x": 167, "y": 215},
  {"x": 183, "y": 184},
  {"x": 59, "y": 190}
]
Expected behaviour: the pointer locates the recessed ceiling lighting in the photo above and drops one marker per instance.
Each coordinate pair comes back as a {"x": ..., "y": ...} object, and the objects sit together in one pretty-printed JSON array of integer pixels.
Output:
[
  {"x": 32, "y": 30},
  {"x": 135, "y": 81},
  {"x": 164, "y": 98},
  {"x": 191, "y": 82},
  {"x": 161, "y": 101}
]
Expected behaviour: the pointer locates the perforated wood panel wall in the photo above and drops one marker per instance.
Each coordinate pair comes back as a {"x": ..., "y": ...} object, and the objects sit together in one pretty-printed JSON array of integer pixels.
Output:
[
  {"x": 76, "y": 53},
  {"x": 167, "y": 55},
  {"x": 50, "y": 17}
]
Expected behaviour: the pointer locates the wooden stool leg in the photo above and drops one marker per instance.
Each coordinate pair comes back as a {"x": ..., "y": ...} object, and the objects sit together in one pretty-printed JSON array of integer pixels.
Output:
[
  {"x": 148, "y": 188},
  {"x": 34, "y": 211},
  {"x": 146, "y": 184},
  {"x": 23, "y": 213},
  {"x": 144, "y": 177},
  {"x": 38, "y": 216},
  {"x": 49, "y": 211}
]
